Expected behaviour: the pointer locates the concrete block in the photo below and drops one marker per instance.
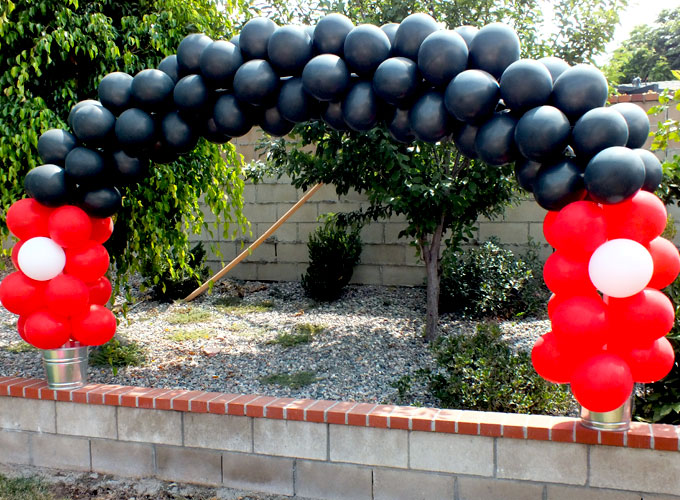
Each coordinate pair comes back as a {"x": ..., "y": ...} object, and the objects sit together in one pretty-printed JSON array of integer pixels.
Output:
[
  {"x": 218, "y": 432},
  {"x": 332, "y": 481},
  {"x": 228, "y": 250},
  {"x": 15, "y": 447},
  {"x": 403, "y": 275},
  {"x": 290, "y": 438},
  {"x": 122, "y": 458},
  {"x": 150, "y": 426},
  {"x": 258, "y": 473},
  {"x": 244, "y": 271},
  {"x": 189, "y": 465},
  {"x": 60, "y": 452},
  {"x": 352, "y": 195},
  {"x": 274, "y": 193},
  {"x": 368, "y": 446},
  {"x": 411, "y": 257},
  {"x": 365, "y": 274},
  {"x": 408, "y": 485},
  {"x": 306, "y": 213},
  {"x": 472, "y": 488},
  {"x": 27, "y": 414},
  {"x": 542, "y": 461},
  {"x": 326, "y": 193},
  {"x": 260, "y": 212},
  {"x": 536, "y": 233},
  {"x": 393, "y": 255},
  {"x": 249, "y": 193},
  {"x": 392, "y": 231},
  {"x": 86, "y": 420},
  {"x": 506, "y": 232},
  {"x": 558, "y": 492},
  {"x": 526, "y": 211},
  {"x": 340, "y": 206},
  {"x": 451, "y": 453},
  {"x": 287, "y": 232},
  {"x": 373, "y": 233},
  {"x": 283, "y": 271},
  {"x": 634, "y": 469},
  {"x": 292, "y": 252},
  {"x": 305, "y": 229}
]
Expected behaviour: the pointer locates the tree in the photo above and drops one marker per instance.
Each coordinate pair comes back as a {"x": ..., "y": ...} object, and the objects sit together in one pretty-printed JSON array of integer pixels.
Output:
[
  {"x": 53, "y": 53},
  {"x": 650, "y": 53}
]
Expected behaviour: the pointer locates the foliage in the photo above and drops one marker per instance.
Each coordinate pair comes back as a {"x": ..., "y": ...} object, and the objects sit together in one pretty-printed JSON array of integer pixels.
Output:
[
  {"x": 239, "y": 309},
  {"x": 23, "y": 488},
  {"x": 650, "y": 53},
  {"x": 189, "y": 316},
  {"x": 482, "y": 372},
  {"x": 667, "y": 133},
  {"x": 303, "y": 333},
  {"x": 293, "y": 380},
  {"x": 183, "y": 335},
  {"x": 334, "y": 250},
  {"x": 53, "y": 53},
  {"x": 180, "y": 283},
  {"x": 117, "y": 353},
  {"x": 491, "y": 281}
]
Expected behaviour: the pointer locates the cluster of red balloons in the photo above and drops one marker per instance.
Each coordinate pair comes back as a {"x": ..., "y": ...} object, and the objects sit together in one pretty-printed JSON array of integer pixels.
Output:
[
  {"x": 59, "y": 289},
  {"x": 609, "y": 318}
]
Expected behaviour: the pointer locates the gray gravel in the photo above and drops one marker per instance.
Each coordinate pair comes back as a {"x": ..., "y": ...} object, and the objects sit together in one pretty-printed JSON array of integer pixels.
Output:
[{"x": 370, "y": 338}]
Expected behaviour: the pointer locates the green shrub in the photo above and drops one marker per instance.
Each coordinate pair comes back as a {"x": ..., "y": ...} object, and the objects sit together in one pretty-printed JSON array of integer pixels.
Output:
[
  {"x": 334, "y": 250},
  {"x": 172, "y": 283},
  {"x": 116, "y": 354},
  {"x": 491, "y": 281}
]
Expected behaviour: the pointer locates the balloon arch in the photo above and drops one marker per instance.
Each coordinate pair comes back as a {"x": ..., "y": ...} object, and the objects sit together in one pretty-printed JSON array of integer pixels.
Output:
[{"x": 580, "y": 159}]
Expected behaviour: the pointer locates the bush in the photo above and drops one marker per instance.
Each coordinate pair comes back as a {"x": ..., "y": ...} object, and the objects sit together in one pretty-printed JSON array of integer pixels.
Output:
[
  {"x": 334, "y": 250},
  {"x": 117, "y": 354},
  {"x": 173, "y": 283},
  {"x": 491, "y": 281}
]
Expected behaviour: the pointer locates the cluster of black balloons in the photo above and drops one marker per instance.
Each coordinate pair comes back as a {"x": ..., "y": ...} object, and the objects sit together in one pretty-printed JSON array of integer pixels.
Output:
[{"x": 418, "y": 80}]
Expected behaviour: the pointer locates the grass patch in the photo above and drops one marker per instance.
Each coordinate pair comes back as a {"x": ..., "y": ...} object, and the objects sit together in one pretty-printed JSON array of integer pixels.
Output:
[
  {"x": 293, "y": 380},
  {"x": 18, "y": 347},
  {"x": 228, "y": 301},
  {"x": 244, "y": 330},
  {"x": 117, "y": 354},
  {"x": 183, "y": 335},
  {"x": 189, "y": 316},
  {"x": 303, "y": 333},
  {"x": 239, "y": 309},
  {"x": 23, "y": 488}
]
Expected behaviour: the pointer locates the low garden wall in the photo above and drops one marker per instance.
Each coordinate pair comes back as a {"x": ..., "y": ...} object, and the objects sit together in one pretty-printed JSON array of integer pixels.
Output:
[{"x": 329, "y": 449}]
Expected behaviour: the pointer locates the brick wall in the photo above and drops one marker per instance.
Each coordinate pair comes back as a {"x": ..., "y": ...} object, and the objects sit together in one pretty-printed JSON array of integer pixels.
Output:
[
  {"x": 385, "y": 259},
  {"x": 329, "y": 449}
]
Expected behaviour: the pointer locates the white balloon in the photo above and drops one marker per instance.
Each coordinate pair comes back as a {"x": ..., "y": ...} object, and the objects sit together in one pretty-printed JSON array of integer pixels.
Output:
[
  {"x": 620, "y": 268},
  {"x": 41, "y": 258}
]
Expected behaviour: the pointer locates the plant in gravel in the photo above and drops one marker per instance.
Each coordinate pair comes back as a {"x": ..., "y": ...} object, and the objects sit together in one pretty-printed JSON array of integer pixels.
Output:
[
  {"x": 18, "y": 347},
  {"x": 302, "y": 333},
  {"x": 241, "y": 309},
  {"x": 168, "y": 284},
  {"x": 117, "y": 353},
  {"x": 293, "y": 380},
  {"x": 228, "y": 301},
  {"x": 190, "y": 315},
  {"x": 182, "y": 335},
  {"x": 23, "y": 488}
]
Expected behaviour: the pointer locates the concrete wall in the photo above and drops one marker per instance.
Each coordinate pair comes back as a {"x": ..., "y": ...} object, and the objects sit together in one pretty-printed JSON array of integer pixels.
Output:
[{"x": 329, "y": 449}]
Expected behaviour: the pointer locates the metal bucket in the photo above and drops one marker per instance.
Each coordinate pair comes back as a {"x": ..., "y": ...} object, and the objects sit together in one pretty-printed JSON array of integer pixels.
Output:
[
  {"x": 66, "y": 367},
  {"x": 615, "y": 420}
]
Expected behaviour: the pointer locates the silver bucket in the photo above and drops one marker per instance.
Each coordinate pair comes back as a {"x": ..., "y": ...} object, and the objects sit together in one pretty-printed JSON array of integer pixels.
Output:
[
  {"x": 66, "y": 367},
  {"x": 615, "y": 420}
]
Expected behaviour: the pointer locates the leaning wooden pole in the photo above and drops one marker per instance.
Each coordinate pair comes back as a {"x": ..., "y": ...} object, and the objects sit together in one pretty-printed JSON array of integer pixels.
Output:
[{"x": 255, "y": 244}]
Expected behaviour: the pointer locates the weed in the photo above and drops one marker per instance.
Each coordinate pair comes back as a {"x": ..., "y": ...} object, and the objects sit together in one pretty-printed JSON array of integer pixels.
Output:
[
  {"x": 293, "y": 380},
  {"x": 116, "y": 354},
  {"x": 18, "y": 347},
  {"x": 23, "y": 488},
  {"x": 239, "y": 309},
  {"x": 183, "y": 335},
  {"x": 189, "y": 316},
  {"x": 302, "y": 333},
  {"x": 228, "y": 301}
]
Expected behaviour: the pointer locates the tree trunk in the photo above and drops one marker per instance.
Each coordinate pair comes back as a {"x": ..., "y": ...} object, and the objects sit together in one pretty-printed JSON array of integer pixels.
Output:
[{"x": 430, "y": 252}]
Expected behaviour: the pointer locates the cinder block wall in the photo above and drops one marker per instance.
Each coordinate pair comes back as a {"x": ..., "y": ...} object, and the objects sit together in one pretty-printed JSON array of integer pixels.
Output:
[{"x": 386, "y": 259}]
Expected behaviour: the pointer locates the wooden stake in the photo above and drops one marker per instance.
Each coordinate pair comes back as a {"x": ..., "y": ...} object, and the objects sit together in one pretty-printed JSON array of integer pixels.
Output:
[{"x": 255, "y": 244}]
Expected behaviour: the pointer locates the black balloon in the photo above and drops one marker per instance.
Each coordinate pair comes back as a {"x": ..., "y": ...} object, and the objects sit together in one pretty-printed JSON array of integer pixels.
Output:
[
  {"x": 54, "y": 144},
  {"x": 219, "y": 62},
  {"x": 637, "y": 121},
  {"x": 366, "y": 46},
  {"x": 526, "y": 172},
  {"x": 495, "y": 141},
  {"x": 579, "y": 89},
  {"x": 256, "y": 83},
  {"x": 231, "y": 116},
  {"x": 525, "y": 84},
  {"x": 254, "y": 38},
  {"x": 191, "y": 94},
  {"x": 236, "y": 40},
  {"x": 494, "y": 48},
  {"x": 289, "y": 49},
  {"x": 411, "y": 33},
  {"x": 330, "y": 32},
  {"x": 428, "y": 117},
  {"x": 152, "y": 89},
  {"x": 135, "y": 131},
  {"x": 326, "y": 77},
  {"x": 614, "y": 175},
  {"x": 598, "y": 129},
  {"x": 472, "y": 96},
  {"x": 274, "y": 124},
  {"x": 294, "y": 103},
  {"x": 558, "y": 184},
  {"x": 360, "y": 107},
  {"x": 79, "y": 105},
  {"x": 177, "y": 133},
  {"x": 115, "y": 91},
  {"x": 442, "y": 55},
  {"x": 332, "y": 115},
  {"x": 93, "y": 124},
  {"x": 47, "y": 185},
  {"x": 162, "y": 153},
  {"x": 85, "y": 167},
  {"x": 212, "y": 132},
  {"x": 399, "y": 126},
  {"x": 555, "y": 65},
  {"x": 467, "y": 32},
  {"x": 390, "y": 29},
  {"x": 542, "y": 133},
  {"x": 127, "y": 169},
  {"x": 396, "y": 80},
  {"x": 189, "y": 53},
  {"x": 464, "y": 135},
  {"x": 169, "y": 66},
  {"x": 103, "y": 202},
  {"x": 653, "y": 170}
]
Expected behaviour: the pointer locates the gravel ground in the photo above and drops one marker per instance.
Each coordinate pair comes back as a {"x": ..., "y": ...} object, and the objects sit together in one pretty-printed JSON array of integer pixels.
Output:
[{"x": 359, "y": 346}]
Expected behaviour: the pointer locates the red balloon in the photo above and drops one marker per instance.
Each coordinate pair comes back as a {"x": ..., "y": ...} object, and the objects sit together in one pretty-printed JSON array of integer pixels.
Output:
[
  {"x": 641, "y": 318},
  {"x": 67, "y": 295},
  {"x": 580, "y": 324},
  {"x": 22, "y": 295},
  {"x": 556, "y": 300},
  {"x": 641, "y": 218},
  {"x": 548, "y": 232},
  {"x": 69, "y": 226},
  {"x": 46, "y": 330},
  {"x": 552, "y": 362},
  {"x": 27, "y": 219},
  {"x": 579, "y": 229},
  {"x": 96, "y": 327},
  {"x": 100, "y": 291},
  {"x": 602, "y": 383},
  {"x": 647, "y": 363},
  {"x": 15, "y": 254},
  {"x": 21, "y": 324},
  {"x": 88, "y": 262},
  {"x": 666, "y": 262},
  {"x": 567, "y": 275},
  {"x": 101, "y": 229}
]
